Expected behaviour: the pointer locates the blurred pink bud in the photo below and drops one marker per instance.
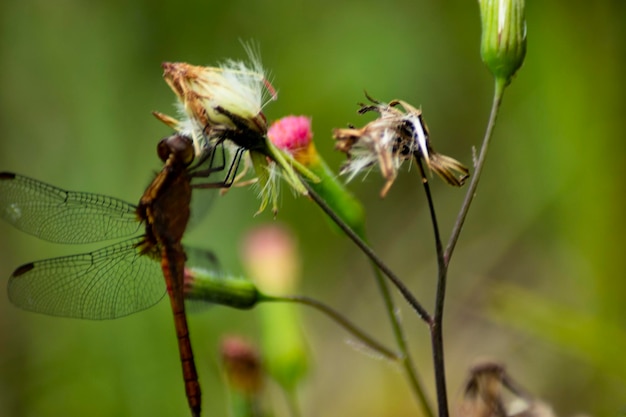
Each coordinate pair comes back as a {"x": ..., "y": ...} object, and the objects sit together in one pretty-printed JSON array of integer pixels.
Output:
[
  {"x": 242, "y": 365},
  {"x": 270, "y": 256}
]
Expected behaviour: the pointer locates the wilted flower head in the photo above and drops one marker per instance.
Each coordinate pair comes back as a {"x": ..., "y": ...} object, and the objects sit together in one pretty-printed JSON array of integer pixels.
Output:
[
  {"x": 394, "y": 137},
  {"x": 484, "y": 391},
  {"x": 223, "y": 106},
  {"x": 220, "y": 103}
]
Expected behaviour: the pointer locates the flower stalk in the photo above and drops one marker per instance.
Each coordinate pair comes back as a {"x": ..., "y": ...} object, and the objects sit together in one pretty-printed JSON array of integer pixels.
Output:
[{"x": 212, "y": 287}]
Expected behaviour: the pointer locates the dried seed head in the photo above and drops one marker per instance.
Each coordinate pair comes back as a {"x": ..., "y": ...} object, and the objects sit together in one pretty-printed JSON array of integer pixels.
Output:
[
  {"x": 210, "y": 94},
  {"x": 220, "y": 103},
  {"x": 394, "y": 137},
  {"x": 483, "y": 395}
]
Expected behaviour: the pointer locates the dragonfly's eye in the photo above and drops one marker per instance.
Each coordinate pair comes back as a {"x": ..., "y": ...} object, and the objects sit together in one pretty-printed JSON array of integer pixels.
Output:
[
  {"x": 163, "y": 150},
  {"x": 178, "y": 145}
]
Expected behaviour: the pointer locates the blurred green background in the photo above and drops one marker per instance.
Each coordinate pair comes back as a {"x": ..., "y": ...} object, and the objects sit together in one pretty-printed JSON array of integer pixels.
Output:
[{"x": 538, "y": 279}]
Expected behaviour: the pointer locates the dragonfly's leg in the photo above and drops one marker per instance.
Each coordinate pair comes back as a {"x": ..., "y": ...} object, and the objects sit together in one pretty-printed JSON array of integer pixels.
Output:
[
  {"x": 217, "y": 139},
  {"x": 230, "y": 175},
  {"x": 244, "y": 171},
  {"x": 223, "y": 154},
  {"x": 232, "y": 171},
  {"x": 211, "y": 169},
  {"x": 238, "y": 181}
]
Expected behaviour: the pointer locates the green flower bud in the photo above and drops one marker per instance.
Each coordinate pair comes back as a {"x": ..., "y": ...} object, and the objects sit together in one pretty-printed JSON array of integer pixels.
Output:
[
  {"x": 503, "y": 42},
  {"x": 209, "y": 286}
]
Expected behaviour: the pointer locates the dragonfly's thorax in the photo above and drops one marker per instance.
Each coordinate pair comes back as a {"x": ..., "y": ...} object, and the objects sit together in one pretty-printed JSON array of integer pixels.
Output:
[{"x": 164, "y": 206}]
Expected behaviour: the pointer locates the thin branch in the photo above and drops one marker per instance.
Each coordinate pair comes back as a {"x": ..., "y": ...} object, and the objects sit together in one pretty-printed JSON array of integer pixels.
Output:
[
  {"x": 408, "y": 296},
  {"x": 443, "y": 258},
  {"x": 368, "y": 341},
  {"x": 471, "y": 190}
]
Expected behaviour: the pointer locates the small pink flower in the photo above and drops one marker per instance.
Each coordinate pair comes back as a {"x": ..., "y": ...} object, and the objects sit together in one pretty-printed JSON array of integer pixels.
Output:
[{"x": 291, "y": 133}]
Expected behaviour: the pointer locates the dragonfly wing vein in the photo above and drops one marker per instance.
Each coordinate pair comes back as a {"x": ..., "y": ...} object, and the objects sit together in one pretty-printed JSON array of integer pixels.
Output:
[
  {"x": 112, "y": 282},
  {"x": 60, "y": 216}
]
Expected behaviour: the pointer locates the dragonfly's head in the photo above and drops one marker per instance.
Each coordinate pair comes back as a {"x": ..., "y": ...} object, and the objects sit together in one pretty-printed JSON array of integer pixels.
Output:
[{"x": 176, "y": 146}]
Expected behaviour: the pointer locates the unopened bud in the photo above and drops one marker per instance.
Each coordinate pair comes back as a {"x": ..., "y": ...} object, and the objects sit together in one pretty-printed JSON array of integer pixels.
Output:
[
  {"x": 293, "y": 134},
  {"x": 242, "y": 365},
  {"x": 271, "y": 258},
  {"x": 209, "y": 286},
  {"x": 503, "y": 43}
]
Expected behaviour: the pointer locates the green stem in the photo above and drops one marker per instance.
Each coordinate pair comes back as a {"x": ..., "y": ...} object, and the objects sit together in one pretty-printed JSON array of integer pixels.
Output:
[
  {"x": 368, "y": 341},
  {"x": 407, "y": 361},
  {"x": 480, "y": 163},
  {"x": 292, "y": 403}
]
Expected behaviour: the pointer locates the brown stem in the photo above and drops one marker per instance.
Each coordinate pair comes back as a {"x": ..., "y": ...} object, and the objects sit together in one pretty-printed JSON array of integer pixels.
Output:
[{"x": 436, "y": 325}]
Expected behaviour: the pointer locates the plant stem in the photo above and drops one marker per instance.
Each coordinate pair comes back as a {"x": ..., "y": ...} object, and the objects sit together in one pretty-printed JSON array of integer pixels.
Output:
[
  {"x": 436, "y": 325},
  {"x": 471, "y": 191},
  {"x": 292, "y": 403},
  {"x": 339, "y": 319},
  {"x": 443, "y": 258},
  {"x": 406, "y": 293},
  {"x": 407, "y": 361}
]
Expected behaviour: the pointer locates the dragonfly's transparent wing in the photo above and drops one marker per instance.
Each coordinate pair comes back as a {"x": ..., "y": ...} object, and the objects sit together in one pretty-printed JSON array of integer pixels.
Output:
[
  {"x": 56, "y": 215},
  {"x": 112, "y": 282},
  {"x": 201, "y": 203},
  {"x": 202, "y": 258}
]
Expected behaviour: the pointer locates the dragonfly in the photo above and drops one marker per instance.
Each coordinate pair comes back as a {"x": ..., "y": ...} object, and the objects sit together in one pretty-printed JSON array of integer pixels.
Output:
[{"x": 121, "y": 278}]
